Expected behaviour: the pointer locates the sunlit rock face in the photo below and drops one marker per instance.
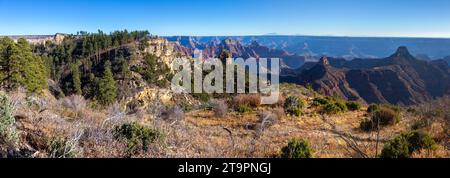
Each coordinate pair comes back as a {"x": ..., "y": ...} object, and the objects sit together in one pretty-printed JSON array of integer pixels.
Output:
[
  {"x": 166, "y": 51},
  {"x": 41, "y": 39}
]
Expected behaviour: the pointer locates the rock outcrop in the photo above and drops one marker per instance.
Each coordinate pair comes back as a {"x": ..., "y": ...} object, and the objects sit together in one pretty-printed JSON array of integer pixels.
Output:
[{"x": 166, "y": 51}]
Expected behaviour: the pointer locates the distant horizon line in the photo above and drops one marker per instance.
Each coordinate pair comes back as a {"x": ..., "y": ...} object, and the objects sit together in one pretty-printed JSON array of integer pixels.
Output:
[{"x": 256, "y": 35}]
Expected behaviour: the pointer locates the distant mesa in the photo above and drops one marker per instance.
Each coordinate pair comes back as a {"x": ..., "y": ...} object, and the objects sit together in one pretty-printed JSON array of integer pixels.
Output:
[{"x": 58, "y": 38}]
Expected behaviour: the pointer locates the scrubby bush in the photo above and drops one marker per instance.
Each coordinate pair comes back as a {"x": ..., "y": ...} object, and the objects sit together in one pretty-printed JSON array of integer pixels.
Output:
[
  {"x": 293, "y": 106},
  {"x": 334, "y": 106},
  {"x": 421, "y": 124},
  {"x": 204, "y": 97},
  {"x": 385, "y": 117},
  {"x": 8, "y": 134},
  {"x": 392, "y": 107},
  {"x": 297, "y": 149},
  {"x": 186, "y": 106},
  {"x": 172, "y": 114},
  {"x": 59, "y": 147},
  {"x": 320, "y": 102},
  {"x": 138, "y": 137},
  {"x": 396, "y": 148},
  {"x": 367, "y": 125},
  {"x": 405, "y": 144},
  {"x": 242, "y": 109},
  {"x": 76, "y": 103},
  {"x": 219, "y": 107},
  {"x": 375, "y": 107},
  {"x": 331, "y": 108},
  {"x": 268, "y": 118},
  {"x": 353, "y": 105},
  {"x": 251, "y": 100},
  {"x": 372, "y": 108},
  {"x": 341, "y": 106},
  {"x": 380, "y": 118},
  {"x": 420, "y": 140}
]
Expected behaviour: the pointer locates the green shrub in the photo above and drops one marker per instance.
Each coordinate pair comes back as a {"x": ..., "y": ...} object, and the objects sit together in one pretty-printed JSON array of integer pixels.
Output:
[
  {"x": 375, "y": 107},
  {"x": 138, "y": 137},
  {"x": 331, "y": 98},
  {"x": 353, "y": 105},
  {"x": 59, "y": 147},
  {"x": 242, "y": 108},
  {"x": 203, "y": 97},
  {"x": 320, "y": 102},
  {"x": 372, "y": 108},
  {"x": 8, "y": 134},
  {"x": 420, "y": 140},
  {"x": 293, "y": 106},
  {"x": 396, "y": 148},
  {"x": 293, "y": 111},
  {"x": 185, "y": 106},
  {"x": 405, "y": 144},
  {"x": 297, "y": 149},
  {"x": 331, "y": 108},
  {"x": 342, "y": 106}
]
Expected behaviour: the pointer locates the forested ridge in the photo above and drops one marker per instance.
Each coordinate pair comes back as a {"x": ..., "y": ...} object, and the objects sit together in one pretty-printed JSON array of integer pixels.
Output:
[{"x": 87, "y": 64}]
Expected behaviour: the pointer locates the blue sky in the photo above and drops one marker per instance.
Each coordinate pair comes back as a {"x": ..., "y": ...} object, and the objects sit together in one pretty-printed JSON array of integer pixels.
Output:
[{"x": 412, "y": 18}]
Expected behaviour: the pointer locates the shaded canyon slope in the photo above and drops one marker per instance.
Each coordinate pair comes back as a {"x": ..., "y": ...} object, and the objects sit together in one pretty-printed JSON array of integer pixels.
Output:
[{"x": 398, "y": 79}]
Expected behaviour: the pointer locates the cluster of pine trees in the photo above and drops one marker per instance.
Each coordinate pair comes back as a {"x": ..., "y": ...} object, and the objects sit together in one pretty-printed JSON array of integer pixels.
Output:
[
  {"x": 20, "y": 67},
  {"x": 87, "y": 64}
]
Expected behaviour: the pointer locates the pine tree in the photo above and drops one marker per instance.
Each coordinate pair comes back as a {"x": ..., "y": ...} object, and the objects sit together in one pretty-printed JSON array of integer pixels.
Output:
[
  {"x": 21, "y": 68},
  {"x": 125, "y": 71},
  {"x": 107, "y": 91},
  {"x": 35, "y": 75},
  {"x": 16, "y": 63},
  {"x": 76, "y": 79},
  {"x": 90, "y": 90},
  {"x": 3, "y": 58},
  {"x": 30, "y": 70}
]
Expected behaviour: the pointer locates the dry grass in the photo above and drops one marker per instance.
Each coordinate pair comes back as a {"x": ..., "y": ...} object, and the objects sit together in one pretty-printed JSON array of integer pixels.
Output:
[
  {"x": 261, "y": 133},
  {"x": 252, "y": 100}
]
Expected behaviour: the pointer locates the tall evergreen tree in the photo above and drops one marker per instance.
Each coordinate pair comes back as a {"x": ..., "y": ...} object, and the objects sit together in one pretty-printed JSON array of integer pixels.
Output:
[
  {"x": 4, "y": 45},
  {"x": 20, "y": 67},
  {"x": 76, "y": 79},
  {"x": 125, "y": 70},
  {"x": 107, "y": 91}
]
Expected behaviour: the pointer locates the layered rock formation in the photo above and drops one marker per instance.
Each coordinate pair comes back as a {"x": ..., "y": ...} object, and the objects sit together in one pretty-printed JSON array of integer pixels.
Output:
[
  {"x": 238, "y": 50},
  {"x": 398, "y": 79}
]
